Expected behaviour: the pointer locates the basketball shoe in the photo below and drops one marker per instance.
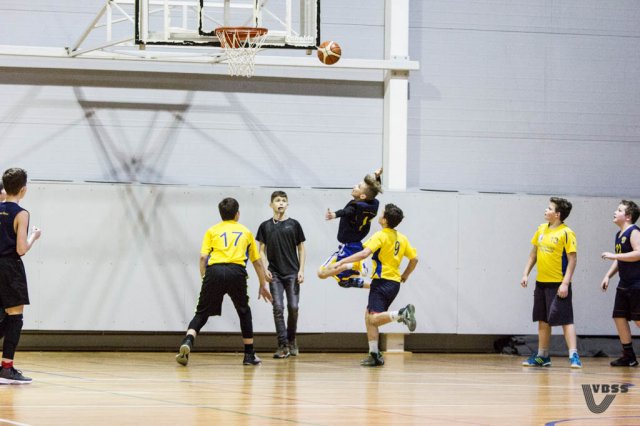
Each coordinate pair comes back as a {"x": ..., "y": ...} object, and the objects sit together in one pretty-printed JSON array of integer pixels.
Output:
[
  {"x": 12, "y": 376},
  {"x": 185, "y": 348}
]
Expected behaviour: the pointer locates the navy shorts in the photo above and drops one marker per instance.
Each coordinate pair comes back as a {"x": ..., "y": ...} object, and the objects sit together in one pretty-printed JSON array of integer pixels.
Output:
[
  {"x": 220, "y": 279},
  {"x": 344, "y": 251},
  {"x": 13, "y": 283},
  {"x": 550, "y": 308},
  {"x": 627, "y": 304},
  {"x": 381, "y": 295}
]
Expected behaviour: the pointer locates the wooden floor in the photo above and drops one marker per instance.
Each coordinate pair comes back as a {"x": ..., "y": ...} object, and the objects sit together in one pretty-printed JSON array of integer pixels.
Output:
[{"x": 110, "y": 388}]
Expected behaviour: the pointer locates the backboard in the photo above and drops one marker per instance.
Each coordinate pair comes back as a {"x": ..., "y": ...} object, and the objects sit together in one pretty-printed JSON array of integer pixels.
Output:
[{"x": 291, "y": 23}]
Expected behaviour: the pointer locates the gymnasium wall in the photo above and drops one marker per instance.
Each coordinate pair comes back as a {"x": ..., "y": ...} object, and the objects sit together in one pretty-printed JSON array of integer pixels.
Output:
[
  {"x": 531, "y": 96},
  {"x": 120, "y": 257},
  {"x": 516, "y": 98}
]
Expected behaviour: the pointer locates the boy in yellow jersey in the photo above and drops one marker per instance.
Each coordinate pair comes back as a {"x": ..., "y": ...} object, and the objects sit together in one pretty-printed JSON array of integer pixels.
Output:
[
  {"x": 555, "y": 252},
  {"x": 223, "y": 258},
  {"x": 387, "y": 247}
]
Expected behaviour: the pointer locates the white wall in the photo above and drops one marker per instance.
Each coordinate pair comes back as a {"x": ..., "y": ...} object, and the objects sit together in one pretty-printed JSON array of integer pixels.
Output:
[
  {"x": 125, "y": 257},
  {"x": 535, "y": 97}
]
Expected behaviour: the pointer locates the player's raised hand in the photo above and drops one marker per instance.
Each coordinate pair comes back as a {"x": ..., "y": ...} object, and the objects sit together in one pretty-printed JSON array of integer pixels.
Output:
[{"x": 378, "y": 173}]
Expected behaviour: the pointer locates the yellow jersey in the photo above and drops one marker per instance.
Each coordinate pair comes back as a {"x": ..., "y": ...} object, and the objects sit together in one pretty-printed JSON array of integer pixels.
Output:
[
  {"x": 389, "y": 247},
  {"x": 553, "y": 245},
  {"x": 229, "y": 242}
]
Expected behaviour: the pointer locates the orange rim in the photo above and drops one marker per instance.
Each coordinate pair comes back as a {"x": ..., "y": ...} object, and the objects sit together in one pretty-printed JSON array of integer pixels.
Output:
[{"x": 233, "y": 36}]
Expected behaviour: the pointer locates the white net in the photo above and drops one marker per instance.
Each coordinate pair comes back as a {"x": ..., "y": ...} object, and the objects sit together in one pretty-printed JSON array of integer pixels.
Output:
[{"x": 240, "y": 46}]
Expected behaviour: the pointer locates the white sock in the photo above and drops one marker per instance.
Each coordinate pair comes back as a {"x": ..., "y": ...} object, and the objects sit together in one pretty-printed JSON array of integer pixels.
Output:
[
  {"x": 572, "y": 351},
  {"x": 543, "y": 352},
  {"x": 394, "y": 315},
  {"x": 373, "y": 346}
]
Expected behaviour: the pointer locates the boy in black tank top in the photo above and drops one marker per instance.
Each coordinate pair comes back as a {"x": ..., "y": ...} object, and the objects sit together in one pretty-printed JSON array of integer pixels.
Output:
[
  {"x": 14, "y": 243},
  {"x": 626, "y": 262}
]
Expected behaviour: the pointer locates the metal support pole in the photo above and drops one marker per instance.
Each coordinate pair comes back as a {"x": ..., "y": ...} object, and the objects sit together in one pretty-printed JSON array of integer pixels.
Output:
[{"x": 396, "y": 96}]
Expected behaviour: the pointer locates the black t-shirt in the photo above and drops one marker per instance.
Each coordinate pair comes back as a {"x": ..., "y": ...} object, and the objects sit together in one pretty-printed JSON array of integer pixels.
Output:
[{"x": 282, "y": 239}]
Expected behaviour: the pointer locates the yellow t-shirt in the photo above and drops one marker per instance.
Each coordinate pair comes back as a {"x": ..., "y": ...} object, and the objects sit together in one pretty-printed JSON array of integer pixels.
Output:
[
  {"x": 229, "y": 242},
  {"x": 553, "y": 245},
  {"x": 389, "y": 247}
]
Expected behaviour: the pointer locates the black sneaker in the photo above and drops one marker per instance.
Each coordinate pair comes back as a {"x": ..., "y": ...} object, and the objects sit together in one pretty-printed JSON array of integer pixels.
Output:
[
  {"x": 11, "y": 376},
  {"x": 293, "y": 348},
  {"x": 408, "y": 316},
  {"x": 251, "y": 359},
  {"x": 373, "y": 360},
  {"x": 183, "y": 356},
  {"x": 351, "y": 283},
  {"x": 282, "y": 352},
  {"x": 625, "y": 361}
]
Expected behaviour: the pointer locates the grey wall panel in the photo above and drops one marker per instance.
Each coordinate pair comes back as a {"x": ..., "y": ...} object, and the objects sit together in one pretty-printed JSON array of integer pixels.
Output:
[
  {"x": 508, "y": 90},
  {"x": 178, "y": 136},
  {"x": 125, "y": 257}
]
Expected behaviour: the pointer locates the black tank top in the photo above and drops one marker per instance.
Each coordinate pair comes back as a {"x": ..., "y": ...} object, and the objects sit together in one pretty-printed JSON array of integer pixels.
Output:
[
  {"x": 629, "y": 271},
  {"x": 8, "y": 237}
]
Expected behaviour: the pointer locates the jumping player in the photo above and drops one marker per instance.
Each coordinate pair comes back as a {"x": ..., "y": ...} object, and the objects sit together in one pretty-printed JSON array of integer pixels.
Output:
[
  {"x": 355, "y": 223},
  {"x": 388, "y": 248},
  {"x": 626, "y": 262},
  {"x": 14, "y": 243},
  {"x": 223, "y": 256}
]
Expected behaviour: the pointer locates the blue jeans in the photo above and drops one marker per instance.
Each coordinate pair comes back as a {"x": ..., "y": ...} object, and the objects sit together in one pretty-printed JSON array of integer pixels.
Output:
[{"x": 279, "y": 286}]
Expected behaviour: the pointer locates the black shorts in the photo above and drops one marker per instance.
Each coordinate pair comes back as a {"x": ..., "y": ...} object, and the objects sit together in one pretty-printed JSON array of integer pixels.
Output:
[
  {"x": 627, "y": 304},
  {"x": 220, "y": 279},
  {"x": 550, "y": 308},
  {"x": 382, "y": 294},
  {"x": 13, "y": 283}
]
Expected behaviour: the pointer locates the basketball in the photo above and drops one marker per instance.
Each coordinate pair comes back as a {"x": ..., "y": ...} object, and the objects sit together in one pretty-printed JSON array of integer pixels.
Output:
[{"x": 329, "y": 52}]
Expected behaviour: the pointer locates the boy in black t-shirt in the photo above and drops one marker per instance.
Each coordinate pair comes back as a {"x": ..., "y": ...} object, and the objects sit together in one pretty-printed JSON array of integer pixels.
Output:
[
  {"x": 14, "y": 243},
  {"x": 282, "y": 239}
]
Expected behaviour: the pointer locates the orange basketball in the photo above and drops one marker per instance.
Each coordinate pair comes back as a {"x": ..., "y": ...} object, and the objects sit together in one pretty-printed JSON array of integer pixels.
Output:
[{"x": 329, "y": 52}]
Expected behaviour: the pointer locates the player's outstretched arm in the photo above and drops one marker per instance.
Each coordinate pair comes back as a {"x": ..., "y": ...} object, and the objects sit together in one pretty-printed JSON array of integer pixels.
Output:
[
  {"x": 356, "y": 257},
  {"x": 329, "y": 215}
]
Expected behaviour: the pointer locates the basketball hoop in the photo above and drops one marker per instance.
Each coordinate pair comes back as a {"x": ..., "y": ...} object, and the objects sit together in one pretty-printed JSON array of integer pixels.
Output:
[{"x": 240, "y": 46}]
